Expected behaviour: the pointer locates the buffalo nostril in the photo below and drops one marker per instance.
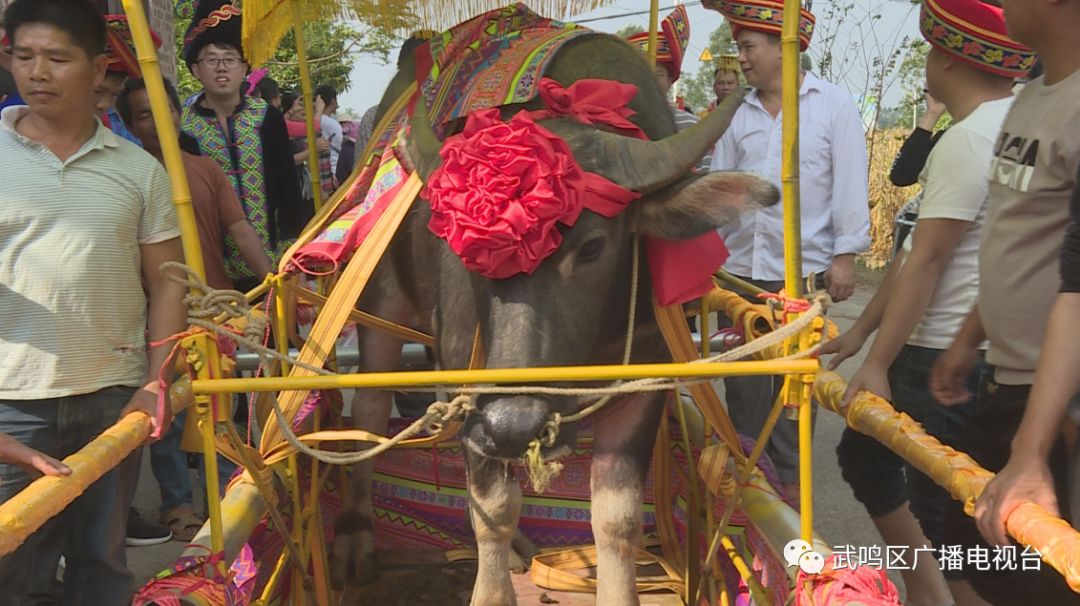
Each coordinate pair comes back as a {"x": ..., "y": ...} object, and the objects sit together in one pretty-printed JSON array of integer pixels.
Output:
[{"x": 504, "y": 427}]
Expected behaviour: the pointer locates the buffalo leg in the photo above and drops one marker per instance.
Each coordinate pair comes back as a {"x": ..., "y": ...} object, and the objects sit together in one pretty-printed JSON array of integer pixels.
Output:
[
  {"x": 494, "y": 506},
  {"x": 622, "y": 450},
  {"x": 353, "y": 552}
]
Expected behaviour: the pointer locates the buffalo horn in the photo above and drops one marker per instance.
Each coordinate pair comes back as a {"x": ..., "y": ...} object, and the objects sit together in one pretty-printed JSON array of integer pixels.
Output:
[
  {"x": 647, "y": 166},
  {"x": 423, "y": 143}
]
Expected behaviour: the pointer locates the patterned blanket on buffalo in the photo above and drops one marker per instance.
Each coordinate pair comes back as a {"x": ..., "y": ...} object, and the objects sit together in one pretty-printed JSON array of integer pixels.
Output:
[{"x": 494, "y": 59}]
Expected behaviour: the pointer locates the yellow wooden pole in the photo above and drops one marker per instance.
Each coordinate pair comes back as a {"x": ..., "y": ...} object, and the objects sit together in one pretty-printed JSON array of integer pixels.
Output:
[
  {"x": 789, "y": 174},
  {"x": 209, "y": 409},
  {"x": 503, "y": 375},
  {"x": 793, "y": 273},
  {"x": 170, "y": 139},
  {"x": 309, "y": 105},
  {"x": 47, "y": 496},
  {"x": 1057, "y": 542},
  {"x": 654, "y": 29}
]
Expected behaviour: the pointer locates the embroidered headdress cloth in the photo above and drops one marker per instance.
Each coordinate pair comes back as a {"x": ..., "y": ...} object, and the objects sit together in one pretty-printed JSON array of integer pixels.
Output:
[
  {"x": 975, "y": 33},
  {"x": 728, "y": 63},
  {"x": 213, "y": 21},
  {"x": 765, "y": 16},
  {"x": 120, "y": 49},
  {"x": 671, "y": 41}
]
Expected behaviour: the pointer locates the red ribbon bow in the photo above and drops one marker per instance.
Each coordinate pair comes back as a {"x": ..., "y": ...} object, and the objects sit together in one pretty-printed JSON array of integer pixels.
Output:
[{"x": 504, "y": 186}]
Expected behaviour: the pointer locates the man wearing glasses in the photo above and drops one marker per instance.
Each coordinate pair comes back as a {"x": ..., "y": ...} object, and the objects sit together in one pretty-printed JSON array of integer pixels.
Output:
[{"x": 244, "y": 135}]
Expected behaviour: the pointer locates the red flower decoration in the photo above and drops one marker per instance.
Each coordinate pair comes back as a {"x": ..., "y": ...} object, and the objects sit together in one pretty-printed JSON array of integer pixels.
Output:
[{"x": 502, "y": 191}]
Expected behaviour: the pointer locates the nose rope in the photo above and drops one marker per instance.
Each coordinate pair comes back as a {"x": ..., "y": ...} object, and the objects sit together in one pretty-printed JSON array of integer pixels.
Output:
[{"x": 542, "y": 472}]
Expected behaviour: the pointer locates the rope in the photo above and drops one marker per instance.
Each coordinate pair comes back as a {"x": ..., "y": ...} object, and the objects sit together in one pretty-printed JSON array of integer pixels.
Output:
[
  {"x": 437, "y": 415},
  {"x": 541, "y": 472},
  {"x": 234, "y": 304}
]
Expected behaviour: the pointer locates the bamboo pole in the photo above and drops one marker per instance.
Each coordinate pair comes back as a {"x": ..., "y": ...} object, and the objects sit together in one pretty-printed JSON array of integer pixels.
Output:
[
  {"x": 789, "y": 41},
  {"x": 654, "y": 27},
  {"x": 789, "y": 174},
  {"x": 1057, "y": 542},
  {"x": 167, "y": 135},
  {"x": 309, "y": 103},
  {"x": 47, "y": 496},
  {"x": 503, "y": 375}
]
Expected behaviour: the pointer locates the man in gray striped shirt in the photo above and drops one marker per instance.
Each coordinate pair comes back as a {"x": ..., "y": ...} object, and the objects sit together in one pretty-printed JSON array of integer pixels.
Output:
[{"x": 85, "y": 223}]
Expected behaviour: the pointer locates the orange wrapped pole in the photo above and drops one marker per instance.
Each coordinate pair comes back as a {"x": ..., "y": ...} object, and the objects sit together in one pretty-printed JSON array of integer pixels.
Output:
[
  {"x": 1030, "y": 524},
  {"x": 754, "y": 318},
  {"x": 49, "y": 495}
]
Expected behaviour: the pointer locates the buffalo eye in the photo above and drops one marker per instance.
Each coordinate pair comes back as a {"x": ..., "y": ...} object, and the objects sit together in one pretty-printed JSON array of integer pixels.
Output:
[{"x": 591, "y": 250}]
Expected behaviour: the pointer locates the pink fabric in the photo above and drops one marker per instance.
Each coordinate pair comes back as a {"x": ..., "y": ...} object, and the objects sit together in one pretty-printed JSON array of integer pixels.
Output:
[{"x": 297, "y": 129}]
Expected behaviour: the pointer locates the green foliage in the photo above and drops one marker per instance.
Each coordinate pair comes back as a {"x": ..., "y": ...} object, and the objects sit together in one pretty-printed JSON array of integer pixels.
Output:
[
  {"x": 697, "y": 89},
  {"x": 913, "y": 71},
  {"x": 332, "y": 48},
  {"x": 629, "y": 30}
]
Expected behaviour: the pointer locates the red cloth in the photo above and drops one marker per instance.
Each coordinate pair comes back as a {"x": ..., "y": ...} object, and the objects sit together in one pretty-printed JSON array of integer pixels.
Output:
[
  {"x": 297, "y": 129},
  {"x": 504, "y": 187}
]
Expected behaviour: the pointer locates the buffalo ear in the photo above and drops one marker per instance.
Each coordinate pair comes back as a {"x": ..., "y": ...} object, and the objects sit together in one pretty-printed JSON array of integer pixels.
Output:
[{"x": 693, "y": 205}]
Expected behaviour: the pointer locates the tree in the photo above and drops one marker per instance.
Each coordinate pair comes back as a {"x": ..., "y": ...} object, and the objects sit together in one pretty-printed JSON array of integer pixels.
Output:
[
  {"x": 697, "y": 90},
  {"x": 629, "y": 30},
  {"x": 332, "y": 48}
]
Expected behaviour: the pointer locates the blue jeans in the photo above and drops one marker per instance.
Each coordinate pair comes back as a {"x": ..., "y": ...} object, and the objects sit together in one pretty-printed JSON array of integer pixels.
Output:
[
  {"x": 170, "y": 467},
  {"x": 91, "y": 531},
  {"x": 880, "y": 479}
]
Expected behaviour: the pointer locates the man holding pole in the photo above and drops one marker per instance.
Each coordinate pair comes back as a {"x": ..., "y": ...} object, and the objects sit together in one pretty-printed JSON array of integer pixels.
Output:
[
  {"x": 86, "y": 221},
  {"x": 1017, "y": 427},
  {"x": 833, "y": 191}
]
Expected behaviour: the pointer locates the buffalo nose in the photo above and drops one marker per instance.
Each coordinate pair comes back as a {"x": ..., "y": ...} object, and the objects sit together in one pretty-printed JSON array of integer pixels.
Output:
[{"x": 504, "y": 426}]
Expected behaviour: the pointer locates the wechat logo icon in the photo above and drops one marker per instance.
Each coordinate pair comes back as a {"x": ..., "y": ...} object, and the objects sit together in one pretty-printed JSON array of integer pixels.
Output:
[{"x": 799, "y": 553}]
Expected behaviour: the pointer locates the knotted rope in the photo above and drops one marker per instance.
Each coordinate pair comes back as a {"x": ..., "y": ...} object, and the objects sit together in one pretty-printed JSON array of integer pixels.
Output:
[{"x": 204, "y": 309}]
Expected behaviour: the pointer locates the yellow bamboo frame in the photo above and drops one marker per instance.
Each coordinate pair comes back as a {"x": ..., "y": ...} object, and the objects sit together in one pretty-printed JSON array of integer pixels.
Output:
[
  {"x": 412, "y": 378},
  {"x": 796, "y": 391},
  {"x": 309, "y": 103}
]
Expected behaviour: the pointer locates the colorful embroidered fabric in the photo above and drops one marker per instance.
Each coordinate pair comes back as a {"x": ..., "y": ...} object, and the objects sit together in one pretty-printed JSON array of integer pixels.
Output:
[
  {"x": 246, "y": 176},
  {"x": 762, "y": 16},
  {"x": 975, "y": 32},
  {"x": 671, "y": 43},
  {"x": 343, "y": 235},
  {"x": 492, "y": 60},
  {"x": 197, "y": 576},
  {"x": 120, "y": 49}
]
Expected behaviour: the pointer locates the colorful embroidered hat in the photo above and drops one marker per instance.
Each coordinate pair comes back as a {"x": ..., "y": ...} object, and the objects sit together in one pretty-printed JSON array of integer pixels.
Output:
[
  {"x": 671, "y": 41},
  {"x": 975, "y": 33},
  {"x": 121, "y": 47},
  {"x": 727, "y": 63},
  {"x": 763, "y": 16},
  {"x": 213, "y": 21}
]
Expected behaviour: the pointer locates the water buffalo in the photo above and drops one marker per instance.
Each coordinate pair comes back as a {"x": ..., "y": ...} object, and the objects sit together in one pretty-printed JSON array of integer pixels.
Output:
[{"x": 572, "y": 310}]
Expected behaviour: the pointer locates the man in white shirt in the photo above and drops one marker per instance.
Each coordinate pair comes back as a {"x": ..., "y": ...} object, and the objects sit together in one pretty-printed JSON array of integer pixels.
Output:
[
  {"x": 833, "y": 195},
  {"x": 331, "y": 128}
]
